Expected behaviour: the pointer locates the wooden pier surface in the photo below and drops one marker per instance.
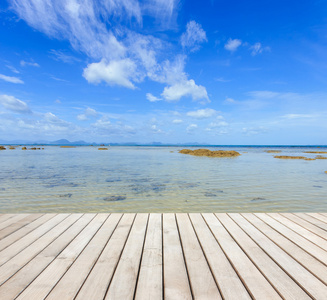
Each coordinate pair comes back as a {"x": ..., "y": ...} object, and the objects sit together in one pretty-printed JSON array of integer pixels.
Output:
[{"x": 163, "y": 256}]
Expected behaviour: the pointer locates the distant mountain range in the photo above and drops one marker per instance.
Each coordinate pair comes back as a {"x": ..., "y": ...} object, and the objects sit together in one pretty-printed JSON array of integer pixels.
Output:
[{"x": 64, "y": 142}]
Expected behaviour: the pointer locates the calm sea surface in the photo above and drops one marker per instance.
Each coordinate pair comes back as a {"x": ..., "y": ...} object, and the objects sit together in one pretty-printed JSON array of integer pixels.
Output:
[{"x": 159, "y": 179}]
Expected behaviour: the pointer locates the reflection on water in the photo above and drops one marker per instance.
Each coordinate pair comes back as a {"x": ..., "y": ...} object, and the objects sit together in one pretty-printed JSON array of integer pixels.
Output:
[{"x": 159, "y": 179}]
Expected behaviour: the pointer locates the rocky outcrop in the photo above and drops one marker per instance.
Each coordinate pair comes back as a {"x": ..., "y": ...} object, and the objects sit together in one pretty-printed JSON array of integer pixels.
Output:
[{"x": 209, "y": 153}]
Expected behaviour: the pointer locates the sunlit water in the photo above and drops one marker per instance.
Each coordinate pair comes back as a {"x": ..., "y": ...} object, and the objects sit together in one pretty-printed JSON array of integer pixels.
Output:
[{"x": 159, "y": 179}]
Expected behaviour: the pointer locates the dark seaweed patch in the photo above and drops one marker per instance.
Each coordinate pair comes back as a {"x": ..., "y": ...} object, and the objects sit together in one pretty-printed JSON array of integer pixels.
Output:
[
  {"x": 114, "y": 198},
  {"x": 259, "y": 199},
  {"x": 66, "y": 195},
  {"x": 317, "y": 186},
  {"x": 207, "y": 194}
]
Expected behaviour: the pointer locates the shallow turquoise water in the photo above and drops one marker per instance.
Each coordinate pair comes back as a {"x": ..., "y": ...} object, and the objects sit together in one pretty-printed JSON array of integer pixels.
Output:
[{"x": 152, "y": 179}]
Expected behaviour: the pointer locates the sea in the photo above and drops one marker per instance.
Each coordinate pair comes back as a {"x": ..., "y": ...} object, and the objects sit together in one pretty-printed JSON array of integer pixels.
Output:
[{"x": 160, "y": 179}]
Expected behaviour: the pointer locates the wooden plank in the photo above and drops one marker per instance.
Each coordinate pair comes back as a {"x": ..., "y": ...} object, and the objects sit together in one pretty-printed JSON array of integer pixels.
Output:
[
  {"x": 20, "y": 280},
  {"x": 283, "y": 284},
  {"x": 230, "y": 285},
  {"x": 202, "y": 282},
  {"x": 149, "y": 285},
  {"x": 176, "y": 283},
  {"x": 319, "y": 217},
  {"x": 309, "y": 226},
  {"x": 15, "y": 236},
  {"x": 320, "y": 242},
  {"x": 129, "y": 263},
  {"x": 43, "y": 284},
  {"x": 18, "y": 224},
  {"x": 257, "y": 285},
  {"x": 312, "y": 220},
  {"x": 304, "y": 258},
  {"x": 96, "y": 284},
  {"x": 5, "y": 217},
  {"x": 71, "y": 282},
  {"x": 303, "y": 243},
  {"x": 30, "y": 238},
  {"x": 23, "y": 257},
  {"x": 11, "y": 221},
  {"x": 313, "y": 286}
]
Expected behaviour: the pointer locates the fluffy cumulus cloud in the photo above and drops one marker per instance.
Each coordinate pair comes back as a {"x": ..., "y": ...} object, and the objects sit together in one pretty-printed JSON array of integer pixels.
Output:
[
  {"x": 119, "y": 72},
  {"x": 88, "y": 113},
  {"x": 191, "y": 128},
  {"x": 13, "y": 104},
  {"x": 11, "y": 79},
  {"x": 193, "y": 36},
  {"x": 152, "y": 98},
  {"x": 185, "y": 88},
  {"x": 202, "y": 113},
  {"x": 257, "y": 48},
  {"x": 118, "y": 55},
  {"x": 233, "y": 44}
]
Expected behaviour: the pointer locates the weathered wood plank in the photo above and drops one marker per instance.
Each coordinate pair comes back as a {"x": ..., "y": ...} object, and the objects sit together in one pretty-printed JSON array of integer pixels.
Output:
[
  {"x": 305, "y": 224},
  {"x": 20, "y": 280},
  {"x": 71, "y": 282},
  {"x": 43, "y": 284},
  {"x": 12, "y": 221},
  {"x": 230, "y": 285},
  {"x": 15, "y": 236},
  {"x": 150, "y": 280},
  {"x": 319, "y": 217},
  {"x": 30, "y": 238},
  {"x": 23, "y": 257},
  {"x": 176, "y": 283},
  {"x": 313, "y": 220},
  {"x": 97, "y": 283},
  {"x": 320, "y": 242},
  {"x": 256, "y": 283},
  {"x": 313, "y": 286},
  {"x": 285, "y": 285},
  {"x": 128, "y": 265},
  {"x": 303, "y": 243},
  {"x": 202, "y": 282},
  {"x": 18, "y": 224},
  {"x": 5, "y": 217}
]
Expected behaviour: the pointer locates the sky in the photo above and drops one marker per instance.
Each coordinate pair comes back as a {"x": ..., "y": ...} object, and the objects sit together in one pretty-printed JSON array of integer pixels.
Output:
[{"x": 225, "y": 72}]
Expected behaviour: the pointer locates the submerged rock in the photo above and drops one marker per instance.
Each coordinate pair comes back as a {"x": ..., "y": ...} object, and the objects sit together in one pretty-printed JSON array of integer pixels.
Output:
[
  {"x": 114, "y": 198},
  {"x": 318, "y": 152},
  {"x": 2, "y": 148},
  {"x": 102, "y": 148},
  {"x": 67, "y": 146},
  {"x": 24, "y": 148},
  {"x": 273, "y": 151},
  {"x": 292, "y": 157},
  {"x": 321, "y": 157},
  {"x": 326, "y": 172},
  {"x": 209, "y": 153},
  {"x": 12, "y": 148}
]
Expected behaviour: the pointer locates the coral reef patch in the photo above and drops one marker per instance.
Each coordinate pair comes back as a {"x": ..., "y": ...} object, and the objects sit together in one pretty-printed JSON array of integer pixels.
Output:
[{"x": 209, "y": 153}]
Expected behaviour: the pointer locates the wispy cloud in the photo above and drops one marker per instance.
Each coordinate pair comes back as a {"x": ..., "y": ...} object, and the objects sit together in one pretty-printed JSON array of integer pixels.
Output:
[
  {"x": 152, "y": 98},
  {"x": 119, "y": 55},
  {"x": 59, "y": 55},
  {"x": 193, "y": 36},
  {"x": 202, "y": 113},
  {"x": 13, "y": 69},
  {"x": 233, "y": 44},
  {"x": 24, "y": 63},
  {"x": 15, "y": 105},
  {"x": 257, "y": 49},
  {"x": 11, "y": 79}
]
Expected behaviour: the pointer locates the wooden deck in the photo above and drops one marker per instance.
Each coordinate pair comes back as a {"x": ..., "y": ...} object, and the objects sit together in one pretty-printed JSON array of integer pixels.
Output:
[{"x": 163, "y": 256}]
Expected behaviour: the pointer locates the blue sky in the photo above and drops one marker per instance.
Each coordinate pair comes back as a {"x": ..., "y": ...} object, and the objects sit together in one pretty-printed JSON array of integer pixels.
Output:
[{"x": 211, "y": 71}]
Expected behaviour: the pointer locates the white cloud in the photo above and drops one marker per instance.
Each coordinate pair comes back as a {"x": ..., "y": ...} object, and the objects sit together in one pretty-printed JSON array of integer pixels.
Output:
[
  {"x": 185, "y": 88},
  {"x": 13, "y": 104},
  {"x": 11, "y": 79},
  {"x": 105, "y": 127},
  {"x": 13, "y": 69},
  {"x": 191, "y": 128},
  {"x": 232, "y": 45},
  {"x": 88, "y": 113},
  {"x": 202, "y": 113},
  {"x": 31, "y": 64},
  {"x": 152, "y": 98},
  {"x": 254, "y": 130},
  {"x": 298, "y": 116},
  {"x": 119, "y": 72},
  {"x": 257, "y": 49},
  {"x": 177, "y": 121},
  {"x": 59, "y": 55},
  {"x": 193, "y": 36},
  {"x": 230, "y": 100}
]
